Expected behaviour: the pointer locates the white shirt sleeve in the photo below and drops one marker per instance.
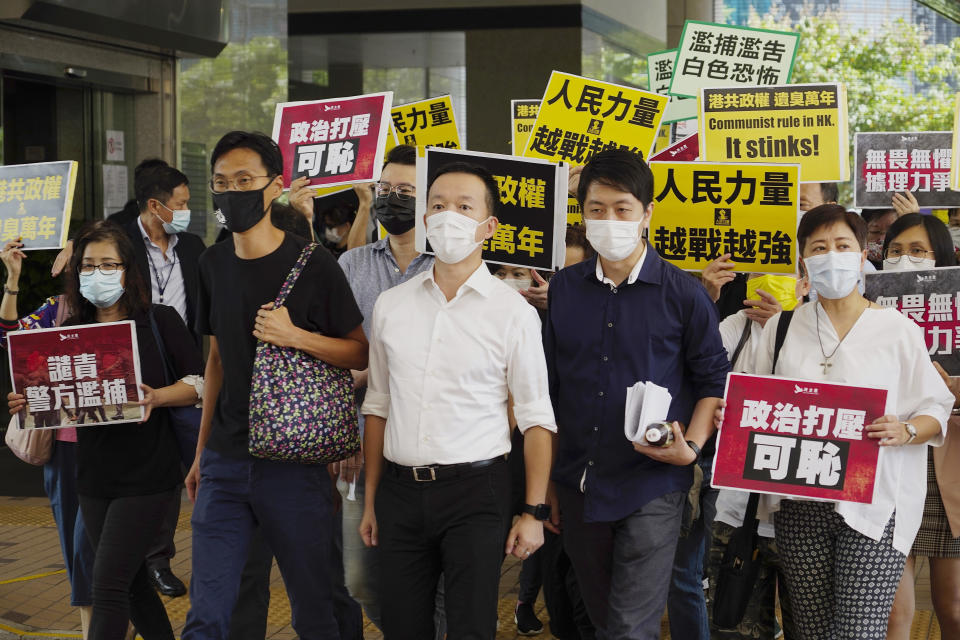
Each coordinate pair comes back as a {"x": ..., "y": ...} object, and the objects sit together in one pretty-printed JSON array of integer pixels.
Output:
[
  {"x": 731, "y": 328},
  {"x": 922, "y": 391},
  {"x": 527, "y": 374},
  {"x": 377, "y": 399}
]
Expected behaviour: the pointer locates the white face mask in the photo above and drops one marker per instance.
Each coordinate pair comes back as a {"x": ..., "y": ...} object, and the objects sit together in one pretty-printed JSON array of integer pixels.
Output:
[
  {"x": 904, "y": 263},
  {"x": 615, "y": 240},
  {"x": 518, "y": 284},
  {"x": 452, "y": 235},
  {"x": 332, "y": 235},
  {"x": 834, "y": 275}
]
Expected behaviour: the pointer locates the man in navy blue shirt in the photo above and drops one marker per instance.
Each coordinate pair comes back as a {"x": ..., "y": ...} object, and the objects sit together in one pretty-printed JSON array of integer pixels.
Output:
[{"x": 623, "y": 317}]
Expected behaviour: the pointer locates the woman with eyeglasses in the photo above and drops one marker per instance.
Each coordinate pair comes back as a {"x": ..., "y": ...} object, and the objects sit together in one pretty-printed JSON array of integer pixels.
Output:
[
  {"x": 127, "y": 472},
  {"x": 917, "y": 242}
]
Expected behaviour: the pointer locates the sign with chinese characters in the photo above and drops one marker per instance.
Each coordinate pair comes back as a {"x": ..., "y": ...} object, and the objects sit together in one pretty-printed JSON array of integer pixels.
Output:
[
  {"x": 76, "y": 376},
  {"x": 954, "y": 169},
  {"x": 803, "y": 123},
  {"x": 704, "y": 210},
  {"x": 523, "y": 113},
  {"x": 684, "y": 150},
  {"x": 533, "y": 207},
  {"x": 333, "y": 142},
  {"x": 929, "y": 298},
  {"x": 427, "y": 123},
  {"x": 659, "y": 74},
  {"x": 798, "y": 438},
  {"x": 580, "y": 117},
  {"x": 35, "y": 203},
  {"x": 896, "y": 162},
  {"x": 721, "y": 55}
]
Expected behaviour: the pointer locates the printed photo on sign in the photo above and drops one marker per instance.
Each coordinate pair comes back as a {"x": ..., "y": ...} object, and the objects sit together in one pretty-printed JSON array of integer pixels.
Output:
[
  {"x": 427, "y": 123},
  {"x": 931, "y": 299},
  {"x": 77, "y": 376},
  {"x": 35, "y": 203},
  {"x": 532, "y": 210},
  {"x": 333, "y": 142},
  {"x": 659, "y": 74},
  {"x": 798, "y": 438},
  {"x": 888, "y": 163},
  {"x": 704, "y": 210},
  {"x": 802, "y": 123},
  {"x": 523, "y": 113},
  {"x": 721, "y": 55},
  {"x": 580, "y": 117}
]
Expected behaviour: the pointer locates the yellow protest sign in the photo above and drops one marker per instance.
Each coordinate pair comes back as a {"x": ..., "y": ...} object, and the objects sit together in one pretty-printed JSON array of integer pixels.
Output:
[
  {"x": 663, "y": 139},
  {"x": 427, "y": 123},
  {"x": 35, "y": 203},
  {"x": 955, "y": 165},
  {"x": 523, "y": 113},
  {"x": 800, "y": 123},
  {"x": 574, "y": 212},
  {"x": 704, "y": 210},
  {"x": 580, "y": 117}
]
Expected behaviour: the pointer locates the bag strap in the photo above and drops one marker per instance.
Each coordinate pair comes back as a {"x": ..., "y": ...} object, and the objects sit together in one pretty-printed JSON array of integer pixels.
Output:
[
  {"x": 743, "y": 342},
  {"x": 782, "y": 326},
  {"x": 168, "y": 376},
  {"x": 785, "y": 317},
  {"x": 294, "y": 274}
]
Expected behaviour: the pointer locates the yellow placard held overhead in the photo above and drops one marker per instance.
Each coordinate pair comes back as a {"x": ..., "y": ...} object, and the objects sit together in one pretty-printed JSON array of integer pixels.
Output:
[
  {"x": 427, "y": 123},
  {"x": 955, "y": 165},
  {"x": 704, "y": 210},
  {"x": 802, "y": 123},
  {"x": 523, "y": 113},
  {"x": 580, "y": 117}
]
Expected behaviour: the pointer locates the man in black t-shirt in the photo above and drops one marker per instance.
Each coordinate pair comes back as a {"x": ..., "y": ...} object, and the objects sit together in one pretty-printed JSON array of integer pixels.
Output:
[{"x": 234, "y": 492}]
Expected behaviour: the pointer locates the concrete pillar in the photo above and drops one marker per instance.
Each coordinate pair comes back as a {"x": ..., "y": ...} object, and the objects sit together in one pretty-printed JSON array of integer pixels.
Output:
[
  {"x": 680, "y": 10},
  {"x": 507, "y": 64}
]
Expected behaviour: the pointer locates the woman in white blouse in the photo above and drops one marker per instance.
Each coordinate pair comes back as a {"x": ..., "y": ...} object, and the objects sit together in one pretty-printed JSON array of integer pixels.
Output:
[{"x": 842, "y": 560}]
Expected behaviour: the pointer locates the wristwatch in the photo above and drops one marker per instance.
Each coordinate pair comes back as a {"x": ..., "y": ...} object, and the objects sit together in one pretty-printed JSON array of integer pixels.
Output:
[
  {"x": 911, "y": 431},
  {"x": 540, "y": 511},
  {"x": 696, "y": 449}
]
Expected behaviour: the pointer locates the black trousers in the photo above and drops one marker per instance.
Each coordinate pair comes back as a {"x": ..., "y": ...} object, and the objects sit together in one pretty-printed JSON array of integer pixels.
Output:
[
  {"x": 457, "y": 527},
  {"x": 121, "y": 530}
]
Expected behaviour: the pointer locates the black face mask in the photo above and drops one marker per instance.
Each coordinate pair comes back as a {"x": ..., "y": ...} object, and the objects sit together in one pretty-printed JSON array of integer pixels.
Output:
[
  {"x": 396, "y": 215},
  {"x": 240, "y": 210}
]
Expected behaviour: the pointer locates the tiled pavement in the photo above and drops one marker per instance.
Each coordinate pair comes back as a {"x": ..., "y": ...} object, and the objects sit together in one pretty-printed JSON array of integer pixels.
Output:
[{"x": 35, "y": 595}]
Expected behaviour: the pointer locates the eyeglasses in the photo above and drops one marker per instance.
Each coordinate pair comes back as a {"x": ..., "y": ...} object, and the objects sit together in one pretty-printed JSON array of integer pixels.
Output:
[
  {"x": 106, "y": 268},
  {"x": 403, "y": 191},
  {"x": 916, "y": 254},
  {"x": 240, "y": 183}
]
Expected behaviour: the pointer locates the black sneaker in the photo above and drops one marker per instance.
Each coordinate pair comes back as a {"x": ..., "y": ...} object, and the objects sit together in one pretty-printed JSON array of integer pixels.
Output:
[{"x": 527, "y": 622}]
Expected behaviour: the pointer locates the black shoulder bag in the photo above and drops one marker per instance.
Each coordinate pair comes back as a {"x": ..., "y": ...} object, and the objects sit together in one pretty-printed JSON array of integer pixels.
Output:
[{"x": 741, "y": 564}]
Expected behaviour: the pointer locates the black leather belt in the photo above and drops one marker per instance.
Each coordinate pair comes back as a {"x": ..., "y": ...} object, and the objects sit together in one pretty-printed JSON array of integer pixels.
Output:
[{"x": 431, "y": 472}]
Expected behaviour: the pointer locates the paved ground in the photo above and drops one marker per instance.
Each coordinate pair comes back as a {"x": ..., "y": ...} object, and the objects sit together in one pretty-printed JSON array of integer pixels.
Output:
[{"x": 34, "y": 593}]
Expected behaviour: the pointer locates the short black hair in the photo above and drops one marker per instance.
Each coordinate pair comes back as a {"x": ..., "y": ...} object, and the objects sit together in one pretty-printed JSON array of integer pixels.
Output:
[
  {"x": 260, "y": 143},
  {"x": 827, "y": 215},
  {"x": 156, "y": 182},
  {"x": 148, "y": 163},
  {"x": 340, "y": 213},
  {"x": 829, "y": 192},
  {"x": 402, "y": 154},
  {"x": 493, "y": 190},
  {"x": 577, "y": 237},
  {"x": 285, "y": 217},
  {"x": 869, "y": 215},
  {"x": 620, "y": 169},
  {"x": 940, "y": 239}
]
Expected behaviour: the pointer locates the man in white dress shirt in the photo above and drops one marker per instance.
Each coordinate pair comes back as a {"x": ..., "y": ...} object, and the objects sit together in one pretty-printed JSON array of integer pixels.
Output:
[{"x": 448, "y": 346}]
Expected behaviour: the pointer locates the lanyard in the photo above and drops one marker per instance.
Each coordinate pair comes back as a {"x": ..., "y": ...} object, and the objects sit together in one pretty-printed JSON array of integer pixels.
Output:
[{"x": 162, "y": 284}]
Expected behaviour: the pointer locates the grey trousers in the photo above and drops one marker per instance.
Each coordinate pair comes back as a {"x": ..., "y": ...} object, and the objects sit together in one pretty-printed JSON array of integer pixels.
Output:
[{"x": 623, "y": 567}]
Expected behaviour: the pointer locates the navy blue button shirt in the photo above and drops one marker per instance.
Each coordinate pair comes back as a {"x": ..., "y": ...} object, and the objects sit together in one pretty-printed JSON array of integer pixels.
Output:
[{"x": 599, "y": 340}]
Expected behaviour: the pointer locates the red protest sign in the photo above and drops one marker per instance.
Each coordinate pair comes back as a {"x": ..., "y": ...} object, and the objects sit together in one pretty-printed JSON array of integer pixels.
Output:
[
  {"x": 931, "y": 298},
  {"x": 683, "y": 150},
  {"x": 337, "y": 141},
  {"x": 798, "y": 438},
  {"x": 75, "y": 376}
]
